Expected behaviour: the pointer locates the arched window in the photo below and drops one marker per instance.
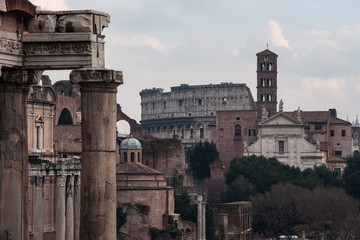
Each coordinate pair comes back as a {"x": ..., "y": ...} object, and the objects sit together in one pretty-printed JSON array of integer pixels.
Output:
[
  {"x": 268, "y": 97},
  {"x": 262, "y": 97},
  {"x": 269, "y": 82},
  {"x": 125, "y": 157},
  {"x": 132, "y": 156},
  {"x": 237, "y": 130},
  {"x": 138, "y": 157},
  {"x": 65, "y": 117}
]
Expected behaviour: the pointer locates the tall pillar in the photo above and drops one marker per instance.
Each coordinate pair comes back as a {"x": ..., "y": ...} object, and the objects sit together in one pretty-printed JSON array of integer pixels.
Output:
[
  {"x": 199, "y": 217},
  {"x": 60, "y": 207},
  {"x": 69, "y": 214},
  {"x": 98, "y": 159},
  {"x": 38, "y": 208},
  {"x": 203, "y": 221},
  {"x": 14, "y": 86},
  {"x": 77, "y": 208}
]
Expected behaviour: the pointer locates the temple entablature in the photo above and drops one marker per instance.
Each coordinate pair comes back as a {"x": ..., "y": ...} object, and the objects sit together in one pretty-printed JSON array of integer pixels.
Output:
[{"x": 54, "y": 40}]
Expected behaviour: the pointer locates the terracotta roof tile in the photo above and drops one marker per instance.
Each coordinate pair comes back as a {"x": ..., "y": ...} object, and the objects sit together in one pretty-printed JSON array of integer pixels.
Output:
[{"x": 67, "y": 138}]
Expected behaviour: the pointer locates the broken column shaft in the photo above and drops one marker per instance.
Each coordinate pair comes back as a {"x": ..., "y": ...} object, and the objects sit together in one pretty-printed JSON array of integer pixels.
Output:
[{"x": 98, "y": 173}]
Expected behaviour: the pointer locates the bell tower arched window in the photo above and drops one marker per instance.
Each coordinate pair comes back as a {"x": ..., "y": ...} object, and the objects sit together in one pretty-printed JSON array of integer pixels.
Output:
[
  {"x": 132, "y": 156},
  {"x": 125, "y": 157}
]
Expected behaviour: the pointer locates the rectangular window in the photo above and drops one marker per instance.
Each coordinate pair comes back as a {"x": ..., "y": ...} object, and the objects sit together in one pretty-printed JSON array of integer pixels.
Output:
[
  {"x": 199, "y": 102},
  {"x": 338, "y": 153},
  {"x": 281, "y": 146},
  {"x": 318, "y": 127},
  {"x": 180, "y": 103},
  {"x": 252, "y": 132},
  {"x": 343, "y": 133},
  {"x": 332, "y": 133}
]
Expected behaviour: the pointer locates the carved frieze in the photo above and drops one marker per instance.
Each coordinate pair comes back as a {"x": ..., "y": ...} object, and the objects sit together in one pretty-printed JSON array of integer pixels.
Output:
[
  {"x": 51, "y": 48},
  {"x": 10, "y": 46}
]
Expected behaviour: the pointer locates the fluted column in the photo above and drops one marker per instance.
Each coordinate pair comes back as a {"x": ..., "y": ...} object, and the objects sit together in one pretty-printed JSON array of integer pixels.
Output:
[
  {"x": 69, "y": 214},
  {"x": 98, "y": 159},
  {"x": 14, "y": 85},
  {"x": 77, "y": 208},
  {"x": 38, "y": 208},
  {"x": 60, "y": 207}
]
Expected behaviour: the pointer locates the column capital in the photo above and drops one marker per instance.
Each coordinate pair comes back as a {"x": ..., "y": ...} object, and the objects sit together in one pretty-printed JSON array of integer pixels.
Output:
[
  {"x": 81, "y": 76},
  {"x": 61, "y": 181},
  {"x": 19, "y": 76},
  {"x": 38, "y": 180}
]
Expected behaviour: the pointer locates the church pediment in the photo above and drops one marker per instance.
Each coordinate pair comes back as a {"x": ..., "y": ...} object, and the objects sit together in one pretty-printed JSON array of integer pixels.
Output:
[{"x": 280, "y": 119}]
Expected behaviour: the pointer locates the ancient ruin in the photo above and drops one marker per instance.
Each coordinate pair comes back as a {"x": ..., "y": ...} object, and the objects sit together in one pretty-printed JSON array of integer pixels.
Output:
[{"x": 32, "y": 41}]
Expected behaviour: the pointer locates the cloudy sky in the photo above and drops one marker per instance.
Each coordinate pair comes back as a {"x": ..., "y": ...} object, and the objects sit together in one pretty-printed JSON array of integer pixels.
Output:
[{"x": 163, "y": 43}]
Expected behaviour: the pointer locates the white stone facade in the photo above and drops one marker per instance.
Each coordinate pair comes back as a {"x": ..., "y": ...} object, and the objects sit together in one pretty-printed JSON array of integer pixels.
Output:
[{"x": 283, "y": 138}]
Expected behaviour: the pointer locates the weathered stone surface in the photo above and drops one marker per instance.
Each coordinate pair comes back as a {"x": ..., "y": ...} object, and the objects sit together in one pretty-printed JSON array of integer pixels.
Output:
[
  {"x": 74, "y": 23},
  {"x": 98, "y": 176},
  {"x": 60, "y": 208},
  {"x": 42, "y": 24},
  {"x": 3, "y": 5},
  {"x": 13, "y": 156}
]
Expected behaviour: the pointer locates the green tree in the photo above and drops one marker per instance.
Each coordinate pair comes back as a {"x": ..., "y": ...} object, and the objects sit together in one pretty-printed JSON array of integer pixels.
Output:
[
  {"x": 352, "y": 176},
  {"x": 184, "y": 207},
  {"x": 200, "y": 158},
  {"x": 250, "y": 175}
]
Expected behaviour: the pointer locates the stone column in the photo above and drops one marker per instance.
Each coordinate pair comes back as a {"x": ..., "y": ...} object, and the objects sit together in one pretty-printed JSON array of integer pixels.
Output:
[
  {"x": 98, "y": 159},
  {"x": 38, "y": 208},
  {"x": 199, "y": 217},
  {"x": 60, "y": 207},
  {"x": 14, "y": 86},
  {"x": 69, "y": 214},
  {"x": 203, "y": 221},
  {"x": 77, "y": 208}
]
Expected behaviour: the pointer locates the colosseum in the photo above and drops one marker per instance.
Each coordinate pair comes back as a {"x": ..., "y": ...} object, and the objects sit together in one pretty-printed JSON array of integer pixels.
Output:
[{"x": 190, "y": 111}]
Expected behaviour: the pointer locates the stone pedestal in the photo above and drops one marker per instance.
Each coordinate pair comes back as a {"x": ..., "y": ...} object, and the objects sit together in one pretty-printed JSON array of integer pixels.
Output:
[
  {"x": 69, "y": 214},
  {"x": 14, "y": 154},
  {"x": 38, "y": 208},
  {"x": 60, "y": 207},
  {"x": 98, "y": 159}
]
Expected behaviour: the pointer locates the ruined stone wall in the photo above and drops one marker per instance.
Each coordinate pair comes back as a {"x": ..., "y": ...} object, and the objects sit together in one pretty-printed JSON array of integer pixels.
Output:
[
  {"x": 147, "y": 207},
  {"x": 239, "y": 218},
  {"x": 164, "y": 155}
]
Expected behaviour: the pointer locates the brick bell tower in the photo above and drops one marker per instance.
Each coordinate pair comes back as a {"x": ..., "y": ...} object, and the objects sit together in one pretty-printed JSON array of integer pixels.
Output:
[{"x": 266, "y": 83}]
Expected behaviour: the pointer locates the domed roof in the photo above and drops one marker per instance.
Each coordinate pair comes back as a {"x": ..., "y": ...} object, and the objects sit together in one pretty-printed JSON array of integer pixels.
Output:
[{"x": 130, "y": 143}]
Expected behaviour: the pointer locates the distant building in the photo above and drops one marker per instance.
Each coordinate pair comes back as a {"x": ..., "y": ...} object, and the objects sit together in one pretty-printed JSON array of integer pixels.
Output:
[
  {"x": 190, "y": 111},
  {"x": 283, "y": 138}
]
